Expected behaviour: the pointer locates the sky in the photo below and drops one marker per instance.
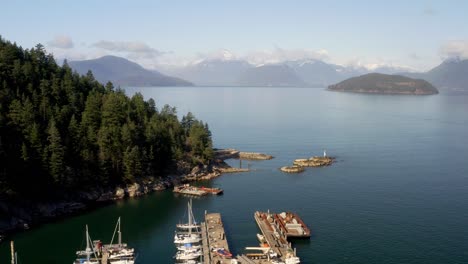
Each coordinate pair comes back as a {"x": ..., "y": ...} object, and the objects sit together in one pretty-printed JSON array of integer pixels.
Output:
[{"x": 416, "y": 34}]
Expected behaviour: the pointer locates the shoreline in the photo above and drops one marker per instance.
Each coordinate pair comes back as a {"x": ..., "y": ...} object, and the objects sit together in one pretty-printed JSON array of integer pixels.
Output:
[{"x": 27, "y": 214}]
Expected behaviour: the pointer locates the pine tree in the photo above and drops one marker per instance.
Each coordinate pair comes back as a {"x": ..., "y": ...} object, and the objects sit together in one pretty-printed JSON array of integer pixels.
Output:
[{"x": 56, "y": 150}]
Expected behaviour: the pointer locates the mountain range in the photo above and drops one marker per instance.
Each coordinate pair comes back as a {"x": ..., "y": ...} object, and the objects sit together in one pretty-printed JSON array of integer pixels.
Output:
[
  {"x": 122, "y": 72},
  {"x": 229, "y": 72},
  {"x": 450, "y": 76}
]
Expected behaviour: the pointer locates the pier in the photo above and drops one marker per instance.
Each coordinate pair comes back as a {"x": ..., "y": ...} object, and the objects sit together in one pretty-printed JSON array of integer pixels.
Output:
[
  {"x": 214, "y": 237},
  {"x": 275, "y": 237}
]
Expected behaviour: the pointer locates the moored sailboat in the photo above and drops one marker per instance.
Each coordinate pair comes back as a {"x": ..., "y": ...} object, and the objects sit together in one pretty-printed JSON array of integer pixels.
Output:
[
  {"x": 187, "y": 239},
  {"x": 84, "y": 256},
  {"x": 119, "y": 253}
]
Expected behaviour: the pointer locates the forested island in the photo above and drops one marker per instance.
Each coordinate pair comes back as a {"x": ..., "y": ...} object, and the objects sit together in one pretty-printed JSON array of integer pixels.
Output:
[
  {"x": 384, "y": 84},
  {"x": 65, "y": 137}
]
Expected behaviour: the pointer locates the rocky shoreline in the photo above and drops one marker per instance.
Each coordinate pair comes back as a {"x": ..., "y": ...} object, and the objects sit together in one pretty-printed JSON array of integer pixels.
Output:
[{"x": 21, "y": 215}]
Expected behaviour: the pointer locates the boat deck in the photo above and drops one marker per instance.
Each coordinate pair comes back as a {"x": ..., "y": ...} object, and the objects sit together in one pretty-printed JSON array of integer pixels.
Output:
[{"x": 292, "y": 225}]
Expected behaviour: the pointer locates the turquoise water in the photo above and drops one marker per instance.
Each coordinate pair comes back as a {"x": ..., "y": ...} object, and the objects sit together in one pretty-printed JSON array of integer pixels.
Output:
[{"x": 397, "y": 194}]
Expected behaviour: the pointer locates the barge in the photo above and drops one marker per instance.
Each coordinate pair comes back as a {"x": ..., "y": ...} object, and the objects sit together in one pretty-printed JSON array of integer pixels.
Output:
[{"x": 292, "y": 225}]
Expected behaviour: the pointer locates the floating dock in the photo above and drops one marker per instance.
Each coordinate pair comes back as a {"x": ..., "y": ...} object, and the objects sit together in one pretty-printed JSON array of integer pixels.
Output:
[
  {"x": 274, "y": 236},
  {"x": 214, "y": 238},
  {"x": 187, "y": 189}
]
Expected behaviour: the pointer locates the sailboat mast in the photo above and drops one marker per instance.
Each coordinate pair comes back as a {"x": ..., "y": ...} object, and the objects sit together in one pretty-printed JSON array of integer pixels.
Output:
[
  {"x": 88, "y": 249},
  {"x": 189, "y": 213},
  {"x": 12, "y": 247},
  {"x": 120, "y": 234}
]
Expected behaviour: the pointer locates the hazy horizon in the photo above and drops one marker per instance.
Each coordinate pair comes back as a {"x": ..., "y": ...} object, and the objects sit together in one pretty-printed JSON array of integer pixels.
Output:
[{"x": 416, "y": 35}]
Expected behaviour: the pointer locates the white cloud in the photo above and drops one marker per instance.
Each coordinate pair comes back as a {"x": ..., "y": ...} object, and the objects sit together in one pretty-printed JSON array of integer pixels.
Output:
[
  {"x": 61, "y": 42},
  {"x": 134, "y": 48},
  {"x": 278, "y": 55},
  {"x": 221, "y": 54},
  {"x": 378, "y": 64},
  {"x": 72, "y": 54},
  {"x": 454, "y": 49}
]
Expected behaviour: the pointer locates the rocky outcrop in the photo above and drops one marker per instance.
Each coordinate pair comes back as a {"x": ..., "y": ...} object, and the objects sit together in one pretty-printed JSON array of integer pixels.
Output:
[
  {"x": 292, "y": 169},
  {"x": 224, "y": 154},
  {"x": 299, "y": 164},
  {"x": 314, "y": 162},
  {"x": 254, "y": 156}
]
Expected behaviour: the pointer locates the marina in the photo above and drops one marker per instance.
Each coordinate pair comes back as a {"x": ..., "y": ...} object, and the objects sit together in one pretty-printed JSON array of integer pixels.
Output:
[{"x": 274, "y": 247}]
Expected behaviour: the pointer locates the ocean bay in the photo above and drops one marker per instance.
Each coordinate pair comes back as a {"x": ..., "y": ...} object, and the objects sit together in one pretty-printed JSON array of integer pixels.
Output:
[{"x": 397, "y": 193}]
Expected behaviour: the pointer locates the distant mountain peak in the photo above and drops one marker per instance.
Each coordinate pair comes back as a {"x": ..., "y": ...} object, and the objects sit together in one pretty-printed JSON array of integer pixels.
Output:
[
  {"x": 123, "y": 72},
  {"x": 455, "y": 59},
  {"x": 227, "y": 55}
]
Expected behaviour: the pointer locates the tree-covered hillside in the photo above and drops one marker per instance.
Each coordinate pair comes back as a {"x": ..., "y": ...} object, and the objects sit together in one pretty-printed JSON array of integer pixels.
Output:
[{"x": 60, "y": 131}]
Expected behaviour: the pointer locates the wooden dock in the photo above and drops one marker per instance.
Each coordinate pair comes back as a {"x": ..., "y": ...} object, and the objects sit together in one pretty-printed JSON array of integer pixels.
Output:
[
  {"x": 205, "y": 245},
  {"x": 214, "y": 236},
  {"x": 213, "y": 231}
]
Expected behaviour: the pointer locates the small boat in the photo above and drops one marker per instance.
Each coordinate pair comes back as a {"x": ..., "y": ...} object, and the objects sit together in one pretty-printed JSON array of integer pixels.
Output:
[
  {"x": 186, "y": 238},
  {"x": 292, "y": 260},
  {"x": 223, "y": 252},
  {"x": 216, "y": 191},
  {"x": 183, "y": 255},
  {"x": 261, "y": 238},
  {"x": 188, "y": 247},
  {"x": 84, "y": 256},
  {"x": 191, "y": 261}
]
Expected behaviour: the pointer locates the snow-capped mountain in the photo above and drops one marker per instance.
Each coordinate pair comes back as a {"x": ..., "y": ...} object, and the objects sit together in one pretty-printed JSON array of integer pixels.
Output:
[{"x": 225, "y": 69}]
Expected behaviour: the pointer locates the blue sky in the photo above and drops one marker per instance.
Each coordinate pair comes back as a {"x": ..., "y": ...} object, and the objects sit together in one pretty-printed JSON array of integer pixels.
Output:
[{"x": 418, "y": 34}]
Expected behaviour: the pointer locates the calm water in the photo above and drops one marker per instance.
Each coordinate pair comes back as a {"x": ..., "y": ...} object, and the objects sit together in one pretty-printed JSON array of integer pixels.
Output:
[{"x": 398, "y": 193}]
